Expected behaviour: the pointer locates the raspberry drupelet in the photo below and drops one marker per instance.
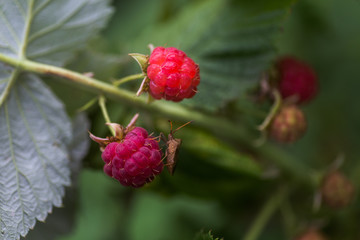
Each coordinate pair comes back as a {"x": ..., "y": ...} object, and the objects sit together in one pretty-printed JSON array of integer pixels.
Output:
[
  {"x": 172, "y": 74},
  {"x": 132, "y": 156}
]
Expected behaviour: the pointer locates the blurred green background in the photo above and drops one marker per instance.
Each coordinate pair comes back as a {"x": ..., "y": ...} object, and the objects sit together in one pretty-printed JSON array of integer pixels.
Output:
[{"x": 217, "y": 185}]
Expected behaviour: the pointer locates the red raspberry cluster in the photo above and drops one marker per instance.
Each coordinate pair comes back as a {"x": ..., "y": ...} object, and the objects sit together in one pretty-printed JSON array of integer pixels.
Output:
[
  {"x": 134, "y": 161},
  {"x": 173, "y": 76},
  {"x": 131, "y": 156}
]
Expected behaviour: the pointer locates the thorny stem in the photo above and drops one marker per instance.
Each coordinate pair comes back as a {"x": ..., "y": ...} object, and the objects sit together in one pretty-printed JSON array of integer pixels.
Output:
[
  {"x": 128, "y": 79},
  {"x": 218, "y": 125},
  {"x": 105, "y": 113},
  {"x": 265, "y": 214}
]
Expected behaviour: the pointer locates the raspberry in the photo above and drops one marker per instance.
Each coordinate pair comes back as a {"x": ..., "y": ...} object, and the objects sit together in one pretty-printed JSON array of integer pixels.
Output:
[
  {"x": 132, "y": 157},
  {"x": 288, "y": 125},
  {"x": 337, "y": 190},
  {"x": 311, "y": 234},
  {"x": 295, "y": 78},
  {"x": 173, "y": 76}
]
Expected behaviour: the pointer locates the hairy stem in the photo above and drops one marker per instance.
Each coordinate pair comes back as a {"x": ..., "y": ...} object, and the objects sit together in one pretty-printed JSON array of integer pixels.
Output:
[{"x": 221, "y": 126}]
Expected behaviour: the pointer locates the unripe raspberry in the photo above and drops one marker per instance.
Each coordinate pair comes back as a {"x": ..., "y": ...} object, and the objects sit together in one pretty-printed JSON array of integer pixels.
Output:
[
  {"x": 288, "y": 125},
  {"x": 173, "y": 76},
  {"x": 295, "y": 78},
  {"x": 311, "y": 235},
  {"x": 337, "y": 190},
  {"x": 132, "y": 157}
]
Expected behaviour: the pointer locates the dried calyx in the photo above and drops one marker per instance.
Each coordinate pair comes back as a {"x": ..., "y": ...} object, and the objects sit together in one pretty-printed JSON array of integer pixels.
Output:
[{"x": 120, "y": 133}]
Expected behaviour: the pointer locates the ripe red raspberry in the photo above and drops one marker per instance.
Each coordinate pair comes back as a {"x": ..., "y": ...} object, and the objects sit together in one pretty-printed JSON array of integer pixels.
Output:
[
  {"x": 288, "y": 125},
  {"x": 173, "y": 76},
  {"x": 132, "y": 157},
  {"x": 295, "y": 78}
]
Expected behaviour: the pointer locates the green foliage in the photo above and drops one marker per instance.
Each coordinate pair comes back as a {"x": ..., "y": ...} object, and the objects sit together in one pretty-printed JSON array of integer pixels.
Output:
[
  {"x": 222, "y": 179},
  {"x": 231, "y": 41},
  {"x": 62, "y": 220}
]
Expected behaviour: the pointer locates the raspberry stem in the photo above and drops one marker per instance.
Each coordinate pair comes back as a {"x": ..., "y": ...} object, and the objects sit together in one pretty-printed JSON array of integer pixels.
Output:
[
  {"x": 274, "y": 109},
  {"x": 223, "y": 127},
  {"x": 105, "y": 113},
  {"x": 128, "y": 79}
]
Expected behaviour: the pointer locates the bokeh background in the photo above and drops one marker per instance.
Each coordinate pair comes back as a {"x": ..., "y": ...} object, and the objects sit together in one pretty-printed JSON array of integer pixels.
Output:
[{"x": 204, "y": 194}]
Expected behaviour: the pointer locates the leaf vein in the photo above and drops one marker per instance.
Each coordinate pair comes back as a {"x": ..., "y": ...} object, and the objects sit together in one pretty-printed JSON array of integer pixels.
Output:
[
  {"x": 10, "y": 28},
  {"x": 14, "y": 162},
  {"x": 7, "y": 46},
  {"x": 27, "y": 29},
  {"x": 33, "y": 139},
  {"x": 41, "y": 7},
  {"x": 89, "y": 23},
  {"x": 47, "y": 121},
  {"x": 55, "y": 26},
  {"x": 26, "y": 87},
  {"x": 51, "y": 50},
  {"x": 21, "y": 9},
  {"x": 7, "y": 89},
  {"x": 4, "y": 80}
]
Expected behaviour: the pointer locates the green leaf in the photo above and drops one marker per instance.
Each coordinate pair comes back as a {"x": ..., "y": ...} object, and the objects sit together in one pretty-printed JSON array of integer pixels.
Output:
[
  {"x": 49, "y": 31},
  {"x": 232, "y": 41},
  {"x": 34, "y": 134},
  {"x": 80, "y": 142},
  {"x": 205, "y": 236},
  {"x": 34, "y": 129},
  {"x": 62, "y": 220}
]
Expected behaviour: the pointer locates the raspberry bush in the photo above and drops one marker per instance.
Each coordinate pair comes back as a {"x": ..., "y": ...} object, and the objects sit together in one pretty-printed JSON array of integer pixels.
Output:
[{"x": 233, "y": 179}]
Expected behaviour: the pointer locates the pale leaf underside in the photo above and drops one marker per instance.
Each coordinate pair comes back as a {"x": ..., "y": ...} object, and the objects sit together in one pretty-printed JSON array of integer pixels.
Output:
[{"x": 35, "y": 132}]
